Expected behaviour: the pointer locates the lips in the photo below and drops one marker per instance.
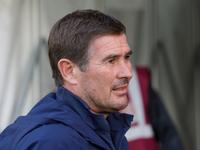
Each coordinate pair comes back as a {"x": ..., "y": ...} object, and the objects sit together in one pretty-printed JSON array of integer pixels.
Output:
[
  {"x": 118, "y": 89},
  {"x": 121, "y": 90}
]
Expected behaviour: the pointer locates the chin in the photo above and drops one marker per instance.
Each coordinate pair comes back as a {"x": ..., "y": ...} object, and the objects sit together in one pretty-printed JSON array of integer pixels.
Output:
[
  {"x": 124, "y": 103},
  {"x": 122, "y": 106}
]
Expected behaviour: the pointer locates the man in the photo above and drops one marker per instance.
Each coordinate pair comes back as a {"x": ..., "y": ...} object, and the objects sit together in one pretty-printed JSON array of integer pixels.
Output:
[{"x": 89, "y": 56}]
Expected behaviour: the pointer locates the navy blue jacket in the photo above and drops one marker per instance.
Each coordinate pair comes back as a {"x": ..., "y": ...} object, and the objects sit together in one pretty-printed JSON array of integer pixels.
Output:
[{"x": 62, "y": 120}]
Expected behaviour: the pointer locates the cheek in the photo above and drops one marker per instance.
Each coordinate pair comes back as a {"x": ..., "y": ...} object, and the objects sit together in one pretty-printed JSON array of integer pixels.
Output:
[
  {"x": 107, "y": 74},
  {"x": 106, "y": 81},
  {"x": 102, "y": 78}
]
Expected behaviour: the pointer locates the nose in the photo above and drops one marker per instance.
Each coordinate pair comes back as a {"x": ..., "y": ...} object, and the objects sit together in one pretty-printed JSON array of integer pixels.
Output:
[{"x": 125, "y": 70}]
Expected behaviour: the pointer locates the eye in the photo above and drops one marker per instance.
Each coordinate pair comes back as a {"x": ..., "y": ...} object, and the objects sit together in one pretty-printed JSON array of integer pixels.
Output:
[
  {"x": 111, "y": 61},
  {"x": 127, "y": 57}
]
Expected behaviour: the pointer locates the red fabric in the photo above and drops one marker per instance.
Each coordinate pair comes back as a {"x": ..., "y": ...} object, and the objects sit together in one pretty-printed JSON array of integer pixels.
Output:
[
  {"x": 143, "y": 144},
  {"x": 144, "y": 80}
]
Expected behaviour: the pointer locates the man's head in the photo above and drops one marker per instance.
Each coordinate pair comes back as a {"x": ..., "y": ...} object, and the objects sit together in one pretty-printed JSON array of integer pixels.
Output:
[
  {"x": 89, "y": 55},
  {"x": 72, "y": 35}
]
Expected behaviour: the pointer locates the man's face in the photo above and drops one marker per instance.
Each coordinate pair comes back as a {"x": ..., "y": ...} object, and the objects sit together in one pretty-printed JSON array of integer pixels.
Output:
[{"x": 104, "y": 84}]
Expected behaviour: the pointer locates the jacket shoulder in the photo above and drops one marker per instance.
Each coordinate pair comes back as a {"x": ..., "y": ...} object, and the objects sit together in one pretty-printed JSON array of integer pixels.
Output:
[{"x": 51, "y": 136}]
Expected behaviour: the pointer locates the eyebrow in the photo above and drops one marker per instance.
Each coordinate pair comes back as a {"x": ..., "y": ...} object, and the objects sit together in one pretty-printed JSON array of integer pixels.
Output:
[
  {"x": 130, "y": 52},
  {"x": 115, "y": 56}
]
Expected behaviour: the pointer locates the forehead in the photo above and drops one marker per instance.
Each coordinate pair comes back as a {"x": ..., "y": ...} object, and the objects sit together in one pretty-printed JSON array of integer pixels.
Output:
[{"x": 110, "y": 44}]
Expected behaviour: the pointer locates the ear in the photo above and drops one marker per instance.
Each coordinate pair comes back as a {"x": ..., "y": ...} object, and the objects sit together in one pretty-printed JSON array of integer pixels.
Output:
[{"x": 67, "y": 68}]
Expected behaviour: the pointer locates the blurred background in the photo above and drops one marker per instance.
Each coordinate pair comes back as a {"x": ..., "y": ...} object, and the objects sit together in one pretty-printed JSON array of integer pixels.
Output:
[{"x": 164, "y": 35}]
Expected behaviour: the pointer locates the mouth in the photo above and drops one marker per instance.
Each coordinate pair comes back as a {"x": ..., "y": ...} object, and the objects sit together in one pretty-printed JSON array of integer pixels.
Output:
[{"x": 121, "y": 90}]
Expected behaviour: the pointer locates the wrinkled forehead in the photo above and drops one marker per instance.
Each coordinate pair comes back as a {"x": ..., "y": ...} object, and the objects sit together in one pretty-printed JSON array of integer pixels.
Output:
[{"x": 109, "y": 43}]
